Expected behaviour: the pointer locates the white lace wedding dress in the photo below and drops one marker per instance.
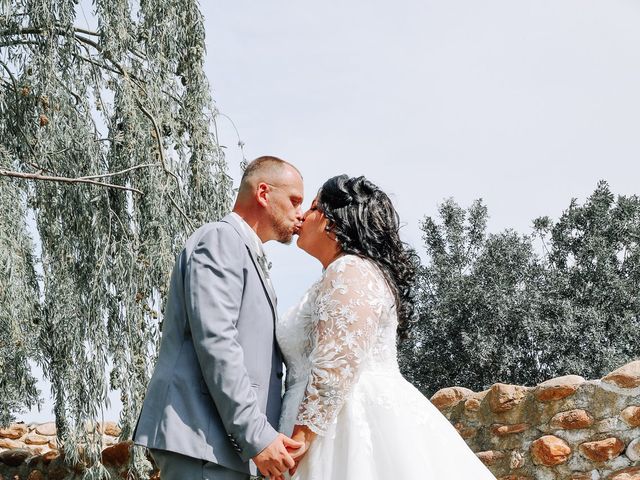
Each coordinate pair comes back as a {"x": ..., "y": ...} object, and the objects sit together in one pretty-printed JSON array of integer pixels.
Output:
[{"x": 343, "y": 382}]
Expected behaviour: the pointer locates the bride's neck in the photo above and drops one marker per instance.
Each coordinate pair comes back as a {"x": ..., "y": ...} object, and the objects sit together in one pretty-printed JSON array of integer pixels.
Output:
[{"x": 329, "y": 258}]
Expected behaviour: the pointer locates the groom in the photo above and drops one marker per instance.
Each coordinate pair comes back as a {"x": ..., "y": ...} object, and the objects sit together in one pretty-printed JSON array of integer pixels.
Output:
[{"x": 214, "y": 397}]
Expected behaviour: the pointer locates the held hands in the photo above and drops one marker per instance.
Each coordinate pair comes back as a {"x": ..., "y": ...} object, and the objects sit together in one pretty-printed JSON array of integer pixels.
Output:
[
  {"x": 275, "y": 459},
  {"x": 303, "y": 436}
]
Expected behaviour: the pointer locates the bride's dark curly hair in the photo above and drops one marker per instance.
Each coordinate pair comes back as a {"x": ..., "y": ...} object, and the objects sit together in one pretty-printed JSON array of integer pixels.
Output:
[{"x": 365, "y": 223}]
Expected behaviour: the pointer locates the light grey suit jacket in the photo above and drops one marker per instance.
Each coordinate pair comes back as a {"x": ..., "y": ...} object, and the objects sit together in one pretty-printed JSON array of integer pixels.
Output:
[{"x": 215, "y": 393}]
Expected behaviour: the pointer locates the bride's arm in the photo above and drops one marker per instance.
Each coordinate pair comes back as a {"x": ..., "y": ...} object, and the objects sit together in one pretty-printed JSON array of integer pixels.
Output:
[{"x": 345, "y": 321}]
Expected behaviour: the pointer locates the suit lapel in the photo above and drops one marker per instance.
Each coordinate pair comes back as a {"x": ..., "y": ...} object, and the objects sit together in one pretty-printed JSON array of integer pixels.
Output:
[{"x": 271, "y": 295}]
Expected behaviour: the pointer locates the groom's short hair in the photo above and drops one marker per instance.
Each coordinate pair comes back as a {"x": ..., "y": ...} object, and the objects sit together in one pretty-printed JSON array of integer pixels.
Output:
[{"x": 261, "y": 168}]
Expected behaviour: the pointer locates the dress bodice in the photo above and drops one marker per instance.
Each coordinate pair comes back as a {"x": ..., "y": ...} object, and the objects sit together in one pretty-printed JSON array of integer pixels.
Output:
[
  {"x": 293, "y": 332},
  {"x": 344, "y": 325},
  {"x": 343, "y": 382}
]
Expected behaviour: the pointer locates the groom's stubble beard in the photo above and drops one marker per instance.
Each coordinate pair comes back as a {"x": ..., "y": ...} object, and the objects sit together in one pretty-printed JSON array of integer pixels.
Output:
[{"x": 283, "y": 233}]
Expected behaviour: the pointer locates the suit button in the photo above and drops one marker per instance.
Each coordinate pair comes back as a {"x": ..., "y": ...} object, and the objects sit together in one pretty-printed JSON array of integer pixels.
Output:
[{"x": 280, "y": 375}]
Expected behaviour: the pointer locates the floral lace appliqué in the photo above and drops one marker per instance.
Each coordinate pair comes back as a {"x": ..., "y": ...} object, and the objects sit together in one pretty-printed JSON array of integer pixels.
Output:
[{"x": 353, "y": 317}]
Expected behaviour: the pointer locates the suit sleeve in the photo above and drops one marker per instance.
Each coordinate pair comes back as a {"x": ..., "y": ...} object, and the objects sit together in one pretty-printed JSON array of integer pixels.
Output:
[{"x": 214, "y": 285}]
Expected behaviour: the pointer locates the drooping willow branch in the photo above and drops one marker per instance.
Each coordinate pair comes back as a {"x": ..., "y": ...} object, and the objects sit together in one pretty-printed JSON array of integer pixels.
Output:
[{"x": 163, "y": 160}]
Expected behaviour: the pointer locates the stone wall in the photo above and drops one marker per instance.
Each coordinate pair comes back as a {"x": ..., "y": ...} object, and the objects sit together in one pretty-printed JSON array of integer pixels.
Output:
[
  {"x": 566, "y": 428},
  {"x": 30, "y": 452}
]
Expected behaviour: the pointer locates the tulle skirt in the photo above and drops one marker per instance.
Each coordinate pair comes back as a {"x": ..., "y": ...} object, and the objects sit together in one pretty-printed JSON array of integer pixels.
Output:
[{"x": 386, "y": 430}]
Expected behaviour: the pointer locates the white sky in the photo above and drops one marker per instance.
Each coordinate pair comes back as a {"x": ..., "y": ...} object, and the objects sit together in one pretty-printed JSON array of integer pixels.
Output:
[{"x": 522, "y": 103}]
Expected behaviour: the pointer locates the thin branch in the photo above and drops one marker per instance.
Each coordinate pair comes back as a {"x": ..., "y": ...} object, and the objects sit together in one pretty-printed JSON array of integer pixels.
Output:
[
  {"x": 106, "y": 55},
  {"x": 35, "y": 176},
  {"x": 39, "y": 167},
  {"x": 158, "y": 140},
  {"x": 12, "y": 43},
  {"x": 88, "y": 41},
  {"x": 137, "y": 53},
  {"x": 240, "y": 142},
  {"x": 58, "y": 152},
  {"x": 13, "y": 78},
  {"x": 27, "y": 140},
  {"x": 65, "y": 33},
  {"x": 97, "y": 64},
  {"x": 164, "y": 161},
  {"x": 137, "y": 81},
  {"x": 7, "y": 85},
  {"x": 87, "y": 32},
  {"x": 135, "y": 167}
]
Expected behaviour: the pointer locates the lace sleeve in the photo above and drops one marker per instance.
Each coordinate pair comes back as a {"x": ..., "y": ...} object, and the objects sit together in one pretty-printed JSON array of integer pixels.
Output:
[{"x": 345, "y": 318}]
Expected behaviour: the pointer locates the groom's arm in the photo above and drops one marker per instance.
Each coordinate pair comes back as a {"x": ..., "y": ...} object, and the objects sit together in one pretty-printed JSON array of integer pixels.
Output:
[{"x": 214, "y": 285}]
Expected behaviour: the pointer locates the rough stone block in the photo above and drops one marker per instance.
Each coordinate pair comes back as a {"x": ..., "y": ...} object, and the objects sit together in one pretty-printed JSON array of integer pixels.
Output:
[
  {"x": 503, "y": 397},
  {"x": 11, "y": 444},
  {"x": 581, "y": 476},
  {"x": 627, "y": 376},
  {"x": 631, "y": 416},
  {"x": 558, "y": 388},
  {"x": 13, "y": 458},
  {"x": 490, "y": 457},
  {"x": 48, "y": 429},
  {"x": 14, "y": 431},
  {"x": 49, "y": 456},
  {"x": 448, "y": 397},
  {"x": 631, "y": 473},
  {"x": 36, "y": 475},
  {"x": 633, "y": 450},
  {"x": 109, "y": 428},
  {"x": 501, "y": 430},
  {"x": 35, "y": 439},
  {"x": 473, "y": 402},
  {"x": 550, "y": 450},
  {"x": 571, "y": 420},
  {"x": 117, "y": 455},
  {"x": 602, "y": 450}
]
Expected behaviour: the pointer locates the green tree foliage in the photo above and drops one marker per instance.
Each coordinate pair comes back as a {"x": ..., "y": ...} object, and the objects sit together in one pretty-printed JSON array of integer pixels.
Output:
[
  {"x": 593, "y": 262},
  {"x": 19, "y": 307},
  {"x": 105, "y": 141},
  {"x": 493, "y": 309}
]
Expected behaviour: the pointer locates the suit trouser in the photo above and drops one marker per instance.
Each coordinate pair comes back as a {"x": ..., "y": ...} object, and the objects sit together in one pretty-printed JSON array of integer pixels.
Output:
[{"x": 174, "y": 466}]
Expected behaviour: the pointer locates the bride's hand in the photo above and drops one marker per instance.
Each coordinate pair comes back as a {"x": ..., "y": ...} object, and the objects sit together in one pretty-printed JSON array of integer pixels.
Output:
[{"x": 302, "y": 434}]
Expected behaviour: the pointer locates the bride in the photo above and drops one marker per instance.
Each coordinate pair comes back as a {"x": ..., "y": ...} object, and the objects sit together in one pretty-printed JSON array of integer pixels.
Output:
[{"x": 345, "y": 397}]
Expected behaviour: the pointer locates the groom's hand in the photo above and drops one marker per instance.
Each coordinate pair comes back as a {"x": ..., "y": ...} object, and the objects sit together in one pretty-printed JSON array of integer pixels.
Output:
[{"x": 274, "y": 460}]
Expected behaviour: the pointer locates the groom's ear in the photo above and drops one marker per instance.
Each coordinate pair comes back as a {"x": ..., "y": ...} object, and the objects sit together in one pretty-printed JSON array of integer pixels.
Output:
[{"x": 262, "y": 194}]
